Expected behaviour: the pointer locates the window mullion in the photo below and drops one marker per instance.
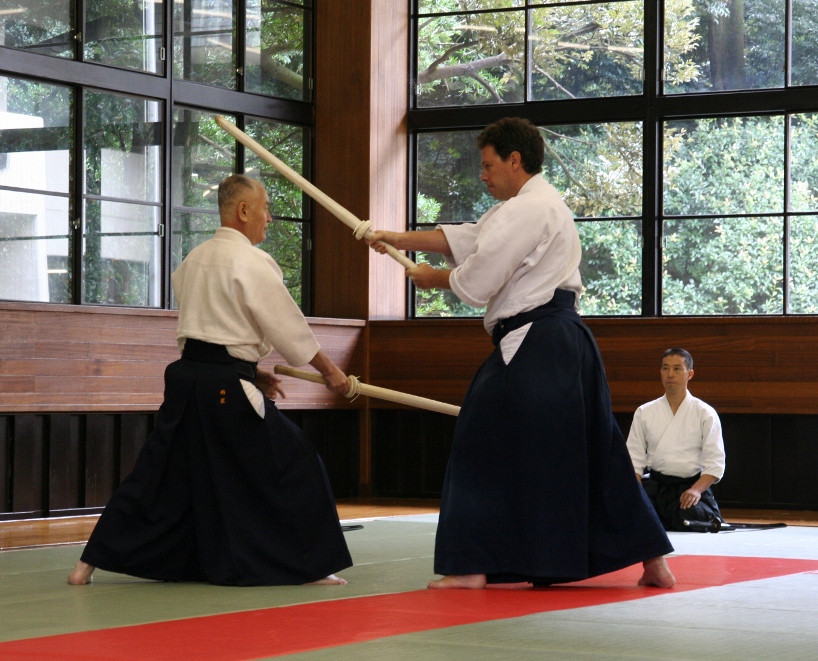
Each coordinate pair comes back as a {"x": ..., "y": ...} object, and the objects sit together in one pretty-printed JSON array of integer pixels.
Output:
[{"x": 78, "y": 202}]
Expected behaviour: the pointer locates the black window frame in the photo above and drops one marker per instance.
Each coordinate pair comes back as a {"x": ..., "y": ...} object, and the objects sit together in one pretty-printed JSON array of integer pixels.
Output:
[
  {"x": 79, "y": 75},
  {"x": 652, "y": 108}
]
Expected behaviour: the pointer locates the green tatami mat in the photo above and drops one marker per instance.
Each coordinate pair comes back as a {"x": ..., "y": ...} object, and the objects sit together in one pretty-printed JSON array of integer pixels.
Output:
[{"x": 35, "y": 600}]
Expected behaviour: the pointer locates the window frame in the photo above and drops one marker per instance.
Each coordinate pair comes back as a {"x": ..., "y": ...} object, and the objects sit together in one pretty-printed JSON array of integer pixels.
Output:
[
  {"x": 652, "y": 108},
  {"x": 79, "y": 76}
]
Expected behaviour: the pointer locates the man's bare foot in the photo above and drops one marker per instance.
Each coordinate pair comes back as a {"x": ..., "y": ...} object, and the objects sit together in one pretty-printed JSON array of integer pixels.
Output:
[
  {"x": 81, "y": 574},
  {"x": 332, "y": 579},
  {"x": 508, "y": 586},
  {"x": 465, "y": 581},
  {"x": 657, "y": 574}
]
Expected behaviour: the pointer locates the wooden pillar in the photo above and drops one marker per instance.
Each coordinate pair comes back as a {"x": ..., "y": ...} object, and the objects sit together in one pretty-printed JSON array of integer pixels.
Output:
[{"x": 361, "y": 96}]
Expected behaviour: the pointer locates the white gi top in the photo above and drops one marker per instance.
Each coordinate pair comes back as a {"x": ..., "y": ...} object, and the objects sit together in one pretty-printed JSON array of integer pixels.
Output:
[
  {"x": 233, "y": 294},
  {"x": 517, "y": 254},
  {"x": 681, "y": 445}
]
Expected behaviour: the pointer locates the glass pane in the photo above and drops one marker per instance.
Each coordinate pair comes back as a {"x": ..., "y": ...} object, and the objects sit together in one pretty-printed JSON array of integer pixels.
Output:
[
  {"x": 804, "y": 265},
  {"x": 122, "y": 254},
  {"x": 284, "y": 244},
  {"x": 39, "y": 27},
  {"x": 123, "y": 147},
  {"x": 274, "y": 57},
  {"x": 724, "y": 45},
  {"x": 34, "y": 248},
  {"x": 203, "y": 36},
  {"x": 597, "y": 168},
  {"x": 127, "y": 35},
  {"x": 611, "y": 267},
  {"x": 723, "y": 266},
  {"x": 440, "y": 6},
  {"x": 804, "y": 42},
  {"x": 449, "y": 189},
  {"x": 470, "y": 59},
  {"x": 440, "y": 302},
  {"x": 591, "y": 50},
  {"x": 203, "y": 155},
  {"x": 188, "y": 230},
  {"x": 35, "y": 135},
  {"x": 804, "y": 162},
  {"x": 286, "y": 142},
  {"x": 724, "y": 165}
]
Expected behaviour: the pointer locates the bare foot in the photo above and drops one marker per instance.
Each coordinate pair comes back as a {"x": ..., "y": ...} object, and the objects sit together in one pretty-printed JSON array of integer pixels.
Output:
[
  {"x": 332, "y": 579},
  {"x": 81, "y": 574},
  {"x": 657, "y": 574},
  {"x": 465, "y": 581},
  {"x": 508, "y": 586}
]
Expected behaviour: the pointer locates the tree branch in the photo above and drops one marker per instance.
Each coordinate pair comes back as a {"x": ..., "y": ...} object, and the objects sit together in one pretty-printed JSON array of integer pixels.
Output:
[
  {"x": 493, "y": 92},
  {"x": 463, "y": 69}
]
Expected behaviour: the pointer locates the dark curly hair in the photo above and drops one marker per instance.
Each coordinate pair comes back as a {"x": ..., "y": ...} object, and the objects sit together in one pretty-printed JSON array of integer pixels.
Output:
[{"x": 515, "y": 134}]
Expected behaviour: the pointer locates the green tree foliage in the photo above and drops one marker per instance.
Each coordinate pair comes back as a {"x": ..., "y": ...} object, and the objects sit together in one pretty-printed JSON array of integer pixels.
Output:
[
  {"x": 285, "y": 238},
  {"x": 716, "y": 168},
  {"x": 275, "y": 56}
]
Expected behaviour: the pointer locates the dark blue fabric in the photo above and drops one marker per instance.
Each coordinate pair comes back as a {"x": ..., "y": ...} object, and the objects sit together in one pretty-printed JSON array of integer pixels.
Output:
[
  {"x": 539, "y": 483},
  {"x": 217, "y": 493},
  {"x": 664, "y": 492}
]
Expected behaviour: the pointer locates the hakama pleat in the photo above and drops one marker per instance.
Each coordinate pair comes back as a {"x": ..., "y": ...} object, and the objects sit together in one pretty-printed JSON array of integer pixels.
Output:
[{"x": 219, "y": 494}]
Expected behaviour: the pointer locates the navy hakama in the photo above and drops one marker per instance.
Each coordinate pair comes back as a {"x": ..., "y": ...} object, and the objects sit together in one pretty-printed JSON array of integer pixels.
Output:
[
  {"x": 539, "y": 485},
  {"x": 664, "y": 491},
  {"x": 219, "y": 494}
]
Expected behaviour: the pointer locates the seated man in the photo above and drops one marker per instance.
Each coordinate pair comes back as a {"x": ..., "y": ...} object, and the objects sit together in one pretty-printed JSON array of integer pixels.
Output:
[{"x": 677, "y": 439}]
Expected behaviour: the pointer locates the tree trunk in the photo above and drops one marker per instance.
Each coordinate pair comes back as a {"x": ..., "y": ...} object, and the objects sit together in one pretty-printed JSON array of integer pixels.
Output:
[{"x": 726, "y": 36}]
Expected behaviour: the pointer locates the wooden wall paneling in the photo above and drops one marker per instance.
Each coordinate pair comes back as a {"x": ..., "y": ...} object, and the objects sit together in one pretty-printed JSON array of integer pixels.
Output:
[
  {"x": 343, "y": 341},
  {"x": 429, "y": 358},
  {"x": 5, "y": 464},
  {"x": 743, "y": 364},
  {"x": 29, "y": 466},
  {"x": 66, "y": 462},
  {"x": 795, "y": 461},
  {"x": 101, "y": 458},
  {"x": 437, "y": 434},
  {"x": 335, "y": 435},
  {"x": 389, "y": 174},
  {"x": 134, "y": 429},
  {"x": 83, "y": 358},
  {"x": 624, "y": 420},
  {"x": 410, "y": 450},
  {"x": 748, "y": 449},
  {"x": 753, "y": 366},
  {"x": 72, "y": 359},
  {"x": 396, "y": 453},
  {"x": 342, "y": 159}
]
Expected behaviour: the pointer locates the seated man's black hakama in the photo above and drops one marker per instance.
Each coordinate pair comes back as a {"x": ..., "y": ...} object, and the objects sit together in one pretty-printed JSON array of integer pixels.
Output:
[
  {"x": 540, "y": 486},
  {"x": 664, "y": 491},
  {"x": 219, "y": 494}
]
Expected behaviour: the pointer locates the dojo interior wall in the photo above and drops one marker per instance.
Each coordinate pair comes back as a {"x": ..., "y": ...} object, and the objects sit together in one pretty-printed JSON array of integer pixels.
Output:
[{"x": 80, "y": 385}]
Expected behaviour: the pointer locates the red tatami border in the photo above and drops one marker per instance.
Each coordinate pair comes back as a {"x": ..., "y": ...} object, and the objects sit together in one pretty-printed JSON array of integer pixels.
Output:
[{"x": 301, "y": 628}]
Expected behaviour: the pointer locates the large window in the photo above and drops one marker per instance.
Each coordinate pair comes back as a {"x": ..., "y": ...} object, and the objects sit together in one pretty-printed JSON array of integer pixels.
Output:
[
  {"x": 109, "y": 155},
  {"x": 688, "y": 154}
]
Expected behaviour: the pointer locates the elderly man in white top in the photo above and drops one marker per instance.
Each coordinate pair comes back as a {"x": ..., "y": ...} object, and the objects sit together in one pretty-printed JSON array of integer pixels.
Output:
[{"x": 227, "y": 490}]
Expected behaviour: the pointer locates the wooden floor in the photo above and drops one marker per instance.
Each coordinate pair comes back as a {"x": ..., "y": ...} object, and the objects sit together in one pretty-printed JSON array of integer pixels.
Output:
[{"x": 76, "y": 530}]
